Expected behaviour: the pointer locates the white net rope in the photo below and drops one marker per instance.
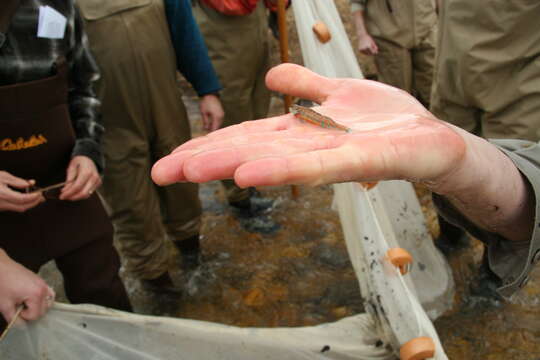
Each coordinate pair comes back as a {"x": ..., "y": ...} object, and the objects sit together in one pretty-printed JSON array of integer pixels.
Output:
[{"x": 381, "y": 218}]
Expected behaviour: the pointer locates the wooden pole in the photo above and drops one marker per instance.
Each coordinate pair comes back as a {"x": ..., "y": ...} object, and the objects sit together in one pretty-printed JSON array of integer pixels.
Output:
[{"x": 284, "y": 50}]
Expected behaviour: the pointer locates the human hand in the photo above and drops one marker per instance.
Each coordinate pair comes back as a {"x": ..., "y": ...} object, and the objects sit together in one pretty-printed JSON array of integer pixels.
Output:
[
  {"x": 82, "y": 179},
  {"x": 393, "y": 137},
  {"x": 11, "y": 200},
  {"x": 211, "y": 112},
  {"x": 18, "y": 285},
  {"x": 366, "y": 45}
]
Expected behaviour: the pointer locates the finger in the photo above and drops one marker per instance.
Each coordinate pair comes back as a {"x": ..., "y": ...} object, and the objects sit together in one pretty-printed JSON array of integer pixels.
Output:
[
  {"x": 216, "y": 123},
  {"x": 35, "y": 307},
  {"x": 298, "y": 81},
  {"x": 17, "y": 198},
  {"x": 51, "y": 296},
  {"x": 222, "y": 163},
  {"x": 7, "y": 206},
  {"x": 371, "y": 156},
  {"x": 170, "y": 169},
  {"x": 312, "y": 168},
  {"x": 269, "y": 125},
  {"x": 205, "y": 121},
  {"x": 86, "y": 188},
  {"x": 16, "y": 182},
  {"x": 72, "y": 172},
  {"x": 253, "y": 138},
  {"x": 76, "y": 185},
  {"x": 374, "y": 48},
  {"x": 221, "y": 158},
  {"x": 256, "y": 131}
]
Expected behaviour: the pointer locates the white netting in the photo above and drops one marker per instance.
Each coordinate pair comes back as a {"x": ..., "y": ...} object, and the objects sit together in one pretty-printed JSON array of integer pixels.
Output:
[
  {"x": 72, "y": 332},
  {"x": 383, "y": 217},
  {"x": 394, "y": 315}
]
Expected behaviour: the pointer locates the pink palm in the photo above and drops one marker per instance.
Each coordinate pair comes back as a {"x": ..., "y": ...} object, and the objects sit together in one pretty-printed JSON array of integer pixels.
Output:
[{"x": 394, "y": 137}]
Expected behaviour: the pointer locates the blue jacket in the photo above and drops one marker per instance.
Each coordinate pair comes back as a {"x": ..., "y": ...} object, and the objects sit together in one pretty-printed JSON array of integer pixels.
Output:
[{"x": 191, "y": 52}]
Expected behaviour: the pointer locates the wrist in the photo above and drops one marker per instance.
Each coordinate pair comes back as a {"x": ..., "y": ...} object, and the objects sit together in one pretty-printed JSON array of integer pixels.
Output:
[
  {"x": 215, "y": 94},
  {"x": 358, "y": 17},
  {"x": 488, "y": 188}
]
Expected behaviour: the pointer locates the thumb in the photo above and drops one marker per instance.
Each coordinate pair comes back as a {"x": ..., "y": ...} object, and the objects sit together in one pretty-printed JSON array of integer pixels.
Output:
[{"x": 298, "y": 81}]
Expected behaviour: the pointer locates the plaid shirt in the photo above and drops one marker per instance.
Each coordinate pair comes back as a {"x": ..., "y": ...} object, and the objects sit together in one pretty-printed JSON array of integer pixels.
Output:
[{"x": 25, "y": 57}]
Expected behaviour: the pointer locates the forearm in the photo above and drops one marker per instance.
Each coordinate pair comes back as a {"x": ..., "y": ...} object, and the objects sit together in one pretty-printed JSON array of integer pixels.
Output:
[
  {"x": 84, "y": 106},
  {"x": 191, "y": 52},
  {"x": 358, "y": 18},
  {"x": 490, "y": 191}
]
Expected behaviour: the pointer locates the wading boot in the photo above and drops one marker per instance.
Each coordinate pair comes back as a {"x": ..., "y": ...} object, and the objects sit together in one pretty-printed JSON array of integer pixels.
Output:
[
  {"x": 252, "y": 213},
  {"x": 251, "y": 206},
  {"x": 451, "y": 238},
  {"x": 484, "y": 287},
  {"x": 163, "y": 284},
  {"x": 190, "y": 253}
]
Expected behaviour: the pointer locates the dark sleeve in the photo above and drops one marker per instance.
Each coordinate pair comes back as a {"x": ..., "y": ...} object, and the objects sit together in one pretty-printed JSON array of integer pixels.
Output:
[
  {"x": 84, "y": 107},
  {"x": 191, "y": 52},
  {"x": 511, "y": 261}
]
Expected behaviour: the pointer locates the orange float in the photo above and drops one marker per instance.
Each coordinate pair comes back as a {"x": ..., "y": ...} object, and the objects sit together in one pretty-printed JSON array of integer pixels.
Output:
[
  {"x": 419, "y": 348},
  {"x": 400, "y": 258},
  {"x": 321, "y": 31},
  {"x": 369, "y": 185}
]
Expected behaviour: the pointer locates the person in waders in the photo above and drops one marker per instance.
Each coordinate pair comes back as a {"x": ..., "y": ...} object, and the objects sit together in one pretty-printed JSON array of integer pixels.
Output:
[
  {"x": 50, "y": 159},
  {"x": 401, "y": 35},
  {"x": 487, "y": 81},
  {"x": 236, "y": 34},
  {"x": 139, "y": 56}
]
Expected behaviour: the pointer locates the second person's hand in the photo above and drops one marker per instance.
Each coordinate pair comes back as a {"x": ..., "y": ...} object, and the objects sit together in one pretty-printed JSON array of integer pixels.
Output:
[
  {"x": 82, "y": 179},
  {"x": 211, "y": 112},
  {"x": 17, "y": 201}
]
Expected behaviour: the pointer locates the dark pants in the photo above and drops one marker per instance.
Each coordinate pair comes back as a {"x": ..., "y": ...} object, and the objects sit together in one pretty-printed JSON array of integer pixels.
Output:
[{"x": 96, "y": 282}]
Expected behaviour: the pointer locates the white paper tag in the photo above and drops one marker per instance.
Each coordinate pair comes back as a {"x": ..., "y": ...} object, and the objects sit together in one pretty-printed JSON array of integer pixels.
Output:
[{"x": 52, "y": 24}]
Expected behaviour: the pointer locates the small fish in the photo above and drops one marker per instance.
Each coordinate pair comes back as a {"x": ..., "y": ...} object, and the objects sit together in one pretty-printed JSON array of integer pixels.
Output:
[{"x": 315, "y": 118}]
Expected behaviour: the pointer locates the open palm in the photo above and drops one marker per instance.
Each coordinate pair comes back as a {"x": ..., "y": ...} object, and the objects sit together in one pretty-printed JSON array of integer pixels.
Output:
[{"x": 393, "y": 137}]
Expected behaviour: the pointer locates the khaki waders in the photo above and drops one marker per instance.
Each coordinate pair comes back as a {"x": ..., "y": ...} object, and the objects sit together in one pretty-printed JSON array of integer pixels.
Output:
[
  {"x": 488, "y": 68},
  {"x": 239, "y": 49},
  {"x": 145, "y": 119},
  {"x": 405, "y": 32}
]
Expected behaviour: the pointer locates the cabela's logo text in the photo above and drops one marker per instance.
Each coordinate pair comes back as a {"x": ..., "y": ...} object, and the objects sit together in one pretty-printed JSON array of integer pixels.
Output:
[{"x": 21, "y": 144}]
